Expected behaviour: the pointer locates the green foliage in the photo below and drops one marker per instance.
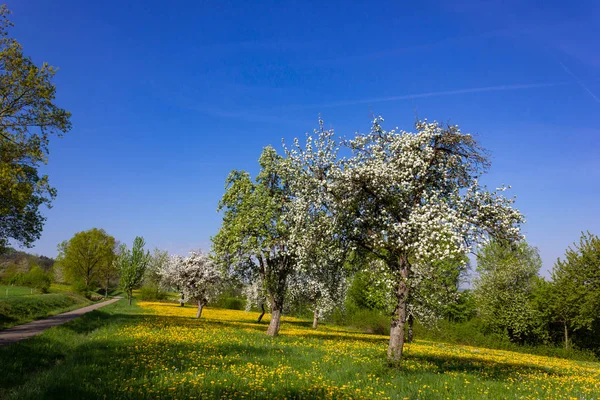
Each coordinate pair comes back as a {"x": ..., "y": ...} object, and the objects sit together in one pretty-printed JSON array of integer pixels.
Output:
[
  {"x": 84, "y": 257},
  {"x": 150, "y": 292},
  {"x": 505, "y": 290},
  {"x": 367, "y": 292},
  {"x": 13, "y": 261},
  {"x": 573, "y": 297},
  {"x": 464, "y": 309},
  {"x": 368, "y": 320},
  {"x": 230, "y": 303},
  {"x": 253, "y": 242},
  {"x": 36, "y": 278},
  {"x": 132, "y": 265},
  {"x": 28, "y": 116},
  {"x": 474, "y": 333},
  {"x": 158, "y": 261}
]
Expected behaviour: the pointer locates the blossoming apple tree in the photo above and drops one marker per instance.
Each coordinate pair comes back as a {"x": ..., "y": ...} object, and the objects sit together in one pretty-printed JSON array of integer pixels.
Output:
[
  {"x": 403, "y": 198},
  {"x": 196, "y": 276}
]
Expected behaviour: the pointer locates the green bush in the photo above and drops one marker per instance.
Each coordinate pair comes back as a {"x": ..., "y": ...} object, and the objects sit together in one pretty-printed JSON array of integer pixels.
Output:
[
  {"x": 94, "y": 296},
  {"x": 472, "y": 333},
  {"x": 152, "y": 293},
  {"x": 36, "y": 278},
  {"x": 80, "y": 287},
  {"x": 230, "y": 303},
  {"x": 367, "y": 320}
]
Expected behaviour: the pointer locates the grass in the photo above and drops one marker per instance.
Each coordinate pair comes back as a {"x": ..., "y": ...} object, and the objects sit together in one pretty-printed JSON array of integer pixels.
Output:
[
  {"x": 15, "y": 291},
  {"x": 159, "y": 351},
  {"x": 21, "y": 306}
]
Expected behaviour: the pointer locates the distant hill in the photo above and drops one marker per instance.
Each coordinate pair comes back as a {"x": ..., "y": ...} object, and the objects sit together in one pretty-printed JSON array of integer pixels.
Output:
[{"x": 22, "y": 261}]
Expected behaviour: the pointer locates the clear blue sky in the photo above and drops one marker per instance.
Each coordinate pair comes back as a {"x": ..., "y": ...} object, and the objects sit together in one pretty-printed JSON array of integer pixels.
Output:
[{"x": 168, "y": 97}]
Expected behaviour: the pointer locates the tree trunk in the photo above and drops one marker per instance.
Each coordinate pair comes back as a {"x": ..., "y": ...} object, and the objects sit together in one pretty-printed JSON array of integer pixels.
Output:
[
  {"x": 182, "y": 302},
  {"x": 566, "y": 336},
  {"x": 273, "y": 329},
  {"x": 130, "y": 297},
  {"x": 262, "y": 314},
  {"x": 411, "y": 321},
  {"x": 315, "y": 318},
  {"x": 399, "y": 316},
  {"x": 200, "y": 308}
]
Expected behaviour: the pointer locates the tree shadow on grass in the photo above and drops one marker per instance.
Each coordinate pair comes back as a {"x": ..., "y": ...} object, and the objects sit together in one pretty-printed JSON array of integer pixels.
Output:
[{"x": 482, "y": 369}]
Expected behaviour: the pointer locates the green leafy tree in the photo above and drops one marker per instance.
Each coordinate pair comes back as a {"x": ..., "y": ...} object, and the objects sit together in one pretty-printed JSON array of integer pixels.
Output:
[
  {"x": 132, "y": 265},
  {"x": 505, "y": 288},
  {"x": 464, "y": 309},
  {"x": 575, "y": 287},
  {"x": 83, "y": 257},
  {"x": 28, "y": 116},
  {"x": 153, "y": 277},
  {"x": 254, "y": 237},
  {"x": 108, "y": 270}
]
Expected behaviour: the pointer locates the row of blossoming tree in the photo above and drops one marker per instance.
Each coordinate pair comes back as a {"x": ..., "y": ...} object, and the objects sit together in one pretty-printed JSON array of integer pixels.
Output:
[{"x": 411, "y": 203}]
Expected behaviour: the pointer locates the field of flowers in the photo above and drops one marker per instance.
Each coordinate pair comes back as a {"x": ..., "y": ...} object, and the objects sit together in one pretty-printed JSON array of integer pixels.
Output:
[{"x": 158, "y": 350}]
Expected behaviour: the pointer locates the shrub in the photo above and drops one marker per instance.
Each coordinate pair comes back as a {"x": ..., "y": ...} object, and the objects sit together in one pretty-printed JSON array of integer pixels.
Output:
[
  {"x": 231, "y": 303},
  {"x": 94, "y": 296},
  {"x": 369, "y": 321},
  {"x": 38, "y": 278},
  {"x": 79, "y": 287},
  {"x": 152, "y": 293}
]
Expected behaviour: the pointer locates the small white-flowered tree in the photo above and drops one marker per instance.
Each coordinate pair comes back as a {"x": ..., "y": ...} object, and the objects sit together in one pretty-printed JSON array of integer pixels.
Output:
[
  {"x": 256, "y": 296},
  {"x": 404, "y": 198},
  {"x": 197, "y": 277},
  {"x": 323, "y": 289}
]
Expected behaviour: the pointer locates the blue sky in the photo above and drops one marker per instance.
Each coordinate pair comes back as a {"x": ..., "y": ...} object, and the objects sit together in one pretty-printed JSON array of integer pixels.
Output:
[{"x": 168, "y": 97}]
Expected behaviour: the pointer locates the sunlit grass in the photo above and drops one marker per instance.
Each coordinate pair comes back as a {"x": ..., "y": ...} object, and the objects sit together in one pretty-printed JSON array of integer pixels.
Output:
[
  {"x": 160, "y": 351},
  {"x": 14, "y": 291}
]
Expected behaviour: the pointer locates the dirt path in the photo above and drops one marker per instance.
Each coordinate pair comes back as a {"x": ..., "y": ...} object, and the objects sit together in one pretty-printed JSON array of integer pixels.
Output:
[{"x": 20, "y": 332}]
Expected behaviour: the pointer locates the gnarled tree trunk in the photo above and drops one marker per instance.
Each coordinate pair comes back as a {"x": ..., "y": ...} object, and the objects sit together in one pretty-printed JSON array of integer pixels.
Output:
[
  {"x": 315, "y": 318},
  {"x": 273, "y": 329},
  {"x": 262, "y": 314},
  {"x": 411, "y": 321},
  {"x": 200, "y": 308},
  {"x": 399, "y": 316}
]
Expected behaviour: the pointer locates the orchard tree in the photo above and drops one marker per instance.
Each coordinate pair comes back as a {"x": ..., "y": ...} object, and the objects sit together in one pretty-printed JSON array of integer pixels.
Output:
[
  {"x": 404, "y": 198},
  {"x": 323, "y": 289},
  {"x": 504, "y": 289},
  {"x": 575, "y": 286},
  {"x": 433, "y": 287},
  {"x": 256, "y": 296},
  {"x": 108, "y": 269},
  {"x": 85, "y": 255},
  {"x": 132, "y": 265},
  {"x": 158, "y": 263},
  {"x": 197, "y": 276},
  {"x": 169, "y": 271},
  {"x": 28, "y": 117},
  {"x": 254, "y": 238}
]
